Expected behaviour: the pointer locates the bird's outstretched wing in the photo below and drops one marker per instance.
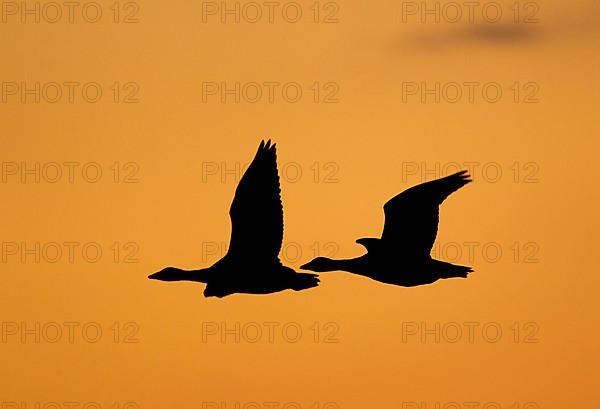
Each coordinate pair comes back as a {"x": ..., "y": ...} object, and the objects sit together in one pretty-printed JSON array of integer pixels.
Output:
[
  {"x": 256, "y": 211},
  {"x": 411, "y": 218}
]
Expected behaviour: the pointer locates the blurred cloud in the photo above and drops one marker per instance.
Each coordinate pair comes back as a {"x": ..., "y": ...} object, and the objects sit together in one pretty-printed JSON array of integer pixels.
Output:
[
  {"x": 579, "y": 21},
  {"x": 481, "y": 33},
  {"x": 500, "y": 33}
]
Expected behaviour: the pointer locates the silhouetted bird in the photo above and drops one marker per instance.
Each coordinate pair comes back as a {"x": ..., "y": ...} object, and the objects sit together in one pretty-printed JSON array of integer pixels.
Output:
[
  {"x": 402, "y": 255},
  {"x": 251, "y": 264}
]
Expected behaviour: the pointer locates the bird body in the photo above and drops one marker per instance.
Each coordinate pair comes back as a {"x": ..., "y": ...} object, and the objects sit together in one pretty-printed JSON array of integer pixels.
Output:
[
  {"x": 402, "y": 255},
  {"x": 252, "y": 263}
]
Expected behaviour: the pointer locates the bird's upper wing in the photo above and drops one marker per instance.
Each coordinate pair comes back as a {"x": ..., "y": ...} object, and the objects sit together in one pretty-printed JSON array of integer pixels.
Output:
[
  {"x": 411, "y": 218},
  {"x": 256, "y": 211}
]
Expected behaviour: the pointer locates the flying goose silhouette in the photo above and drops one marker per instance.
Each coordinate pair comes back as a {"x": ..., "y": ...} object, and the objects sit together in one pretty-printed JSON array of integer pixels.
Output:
[
  {"x": 252, "y": 263},
  {"x": 402, "y": 255}
]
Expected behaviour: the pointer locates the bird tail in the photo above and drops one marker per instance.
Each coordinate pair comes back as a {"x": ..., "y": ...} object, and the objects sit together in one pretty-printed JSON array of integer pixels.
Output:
[
  {"x": 448, "y": 270},
  {"x": 303, "y": 281},
  {"x": 368, "y": 242}
]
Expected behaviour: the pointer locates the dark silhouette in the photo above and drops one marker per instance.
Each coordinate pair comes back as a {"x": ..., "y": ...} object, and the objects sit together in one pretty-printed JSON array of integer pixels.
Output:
[
  {"x": 251, "y": 264},
  {"x": 402, "y": 255}
]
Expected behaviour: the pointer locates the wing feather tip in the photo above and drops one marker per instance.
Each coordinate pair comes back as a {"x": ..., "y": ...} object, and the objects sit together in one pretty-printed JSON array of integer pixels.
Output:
[
  {"x": 266, "y": 150},
  {"x": 463, "y": 176}
]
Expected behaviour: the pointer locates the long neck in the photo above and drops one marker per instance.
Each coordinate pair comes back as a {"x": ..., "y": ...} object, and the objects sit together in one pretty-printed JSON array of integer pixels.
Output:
[
  {"x": 352, "y": 265},
  {"x": 201, "y": 275}
]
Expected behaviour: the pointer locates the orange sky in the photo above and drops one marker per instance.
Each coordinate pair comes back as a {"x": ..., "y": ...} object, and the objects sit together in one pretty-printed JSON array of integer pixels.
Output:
[{"x": 162, "y": 198}]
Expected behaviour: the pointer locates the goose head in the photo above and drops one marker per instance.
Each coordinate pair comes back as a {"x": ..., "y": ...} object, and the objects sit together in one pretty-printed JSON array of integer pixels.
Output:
[
  {"x": 320, "y": 264},
  {"x": 168, "y": 274}
]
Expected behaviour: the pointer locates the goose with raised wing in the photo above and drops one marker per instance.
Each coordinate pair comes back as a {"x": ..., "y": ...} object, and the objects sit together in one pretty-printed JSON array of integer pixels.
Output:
[
  {"x": 402, "y": 255},
  {"x": 252, "y": 263}
]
